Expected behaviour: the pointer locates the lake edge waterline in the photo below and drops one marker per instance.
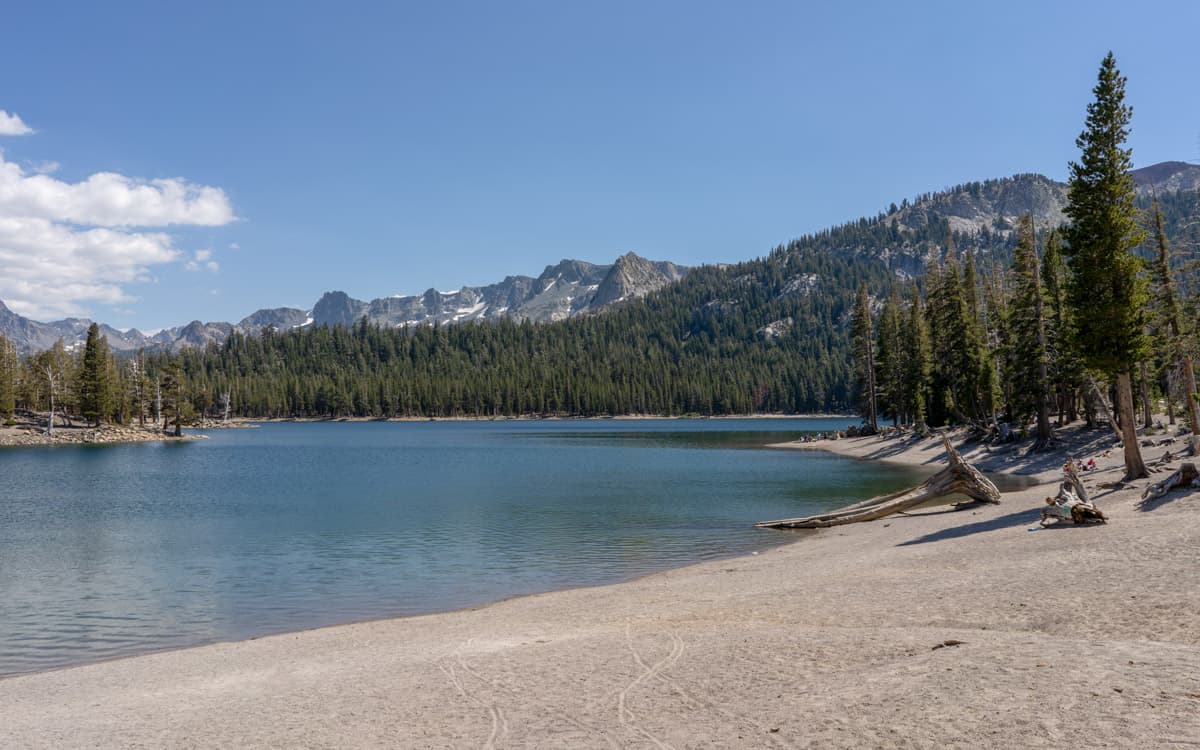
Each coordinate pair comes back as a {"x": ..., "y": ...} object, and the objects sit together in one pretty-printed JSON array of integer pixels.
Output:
[{"x": 645, "y": 441}]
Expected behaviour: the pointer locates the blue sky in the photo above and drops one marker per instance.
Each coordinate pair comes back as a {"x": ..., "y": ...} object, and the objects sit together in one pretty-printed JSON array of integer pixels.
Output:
[{"x": 385, "y": 148}]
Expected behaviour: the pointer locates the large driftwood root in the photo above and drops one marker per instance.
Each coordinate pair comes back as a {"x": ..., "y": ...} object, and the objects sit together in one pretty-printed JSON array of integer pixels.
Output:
[
  {"x": 958, "y": 477},
  {"x": 1186, "y": 476},
  {"x": 1071, "y": 504}
]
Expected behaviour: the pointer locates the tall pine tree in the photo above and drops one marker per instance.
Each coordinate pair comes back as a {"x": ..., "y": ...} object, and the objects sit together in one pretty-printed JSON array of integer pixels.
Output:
[
  {"x": 9, "y": 366},
  {"x": 1171, "y": 327},
  {"x": 863, "y": 341},
  {"x": 94, "y": 388},
  {"x": 1028, "y": 366},
  {"x": 1105, "y": 290},
  {"x": 919, "y": 366}
]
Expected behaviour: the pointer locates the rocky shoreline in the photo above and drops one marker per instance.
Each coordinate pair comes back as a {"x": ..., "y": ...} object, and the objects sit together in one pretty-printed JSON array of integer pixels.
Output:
[{"x": 28, "y": 434}]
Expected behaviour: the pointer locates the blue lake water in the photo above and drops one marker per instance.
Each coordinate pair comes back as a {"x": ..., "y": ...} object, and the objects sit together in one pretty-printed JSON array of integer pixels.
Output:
[{"x": 114, "y": 550}]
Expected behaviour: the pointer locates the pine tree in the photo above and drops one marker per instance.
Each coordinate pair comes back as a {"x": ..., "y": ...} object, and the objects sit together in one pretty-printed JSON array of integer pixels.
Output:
[
  {"x": 1170, "y": 323},
  {"x": 1105, "y": 290},
  {"x": 960, "y": 360},
  {"x": 1065, "y": 370},
  {"x": 9, "y": 367},
  {"x": 890, "y": 362},
  {"x": 863, "y": 343},
  {"x": 917, "y": 372},
  {"x": 94, "y": 386},
  {"x": 172, "y": 395},
  {"x": 1028, "y": 368}
]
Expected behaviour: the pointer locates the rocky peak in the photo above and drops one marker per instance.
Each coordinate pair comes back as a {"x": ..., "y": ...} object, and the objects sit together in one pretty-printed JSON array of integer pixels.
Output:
[
  {"x": 632, "y": 276},
  {"x": 338, "y": 309},
  {"x": 1167, "y": 177}
]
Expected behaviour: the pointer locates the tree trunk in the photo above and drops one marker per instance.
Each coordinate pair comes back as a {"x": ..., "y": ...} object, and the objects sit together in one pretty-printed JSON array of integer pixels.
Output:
[
  {"x": 958, "y": 477},
  {"x": 1189, "y": 385},
  {"x": 1147, "y": 412},
  {"x": 1098, "y": 400},
  {"x": 873, "y": 414},
  {"x": 1135, "y": 467}
]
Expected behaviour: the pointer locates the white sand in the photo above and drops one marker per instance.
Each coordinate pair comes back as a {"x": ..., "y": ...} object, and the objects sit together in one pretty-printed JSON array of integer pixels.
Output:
[{"x": 1076, "y": 637}]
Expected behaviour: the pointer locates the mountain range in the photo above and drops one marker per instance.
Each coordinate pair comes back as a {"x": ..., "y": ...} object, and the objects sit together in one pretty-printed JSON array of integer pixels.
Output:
[
  {"x": 981, "y": 216},
  {"x": 572, "y": 287}
]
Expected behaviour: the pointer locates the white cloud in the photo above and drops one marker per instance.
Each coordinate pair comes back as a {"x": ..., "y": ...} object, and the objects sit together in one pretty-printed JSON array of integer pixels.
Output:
[
  {"x": 12, "y": 124},
  {"x": 64, "y": 244},
  {"x": 202, "y": 257},
  {"x": 50, "y": 269},
  {"x": 111, "y": 200}
]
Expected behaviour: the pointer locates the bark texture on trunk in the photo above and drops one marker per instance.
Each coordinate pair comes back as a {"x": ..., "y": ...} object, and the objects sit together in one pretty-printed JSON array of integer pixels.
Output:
[
  {"x": 1135, "y": 467},
  {"x": 1144, "y": 387},
  {"x": 1099, "y": 400},
  {"x": 1189, "y": 384}
]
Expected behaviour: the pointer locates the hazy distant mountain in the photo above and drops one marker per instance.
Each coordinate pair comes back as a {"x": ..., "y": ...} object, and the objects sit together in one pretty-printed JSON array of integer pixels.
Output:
[
  {"x": 562, "y": 290},
  {"x": 569, "y": 288},
  {"x": 1168, "y": 177},
  {"x": 280, "y": 318}
]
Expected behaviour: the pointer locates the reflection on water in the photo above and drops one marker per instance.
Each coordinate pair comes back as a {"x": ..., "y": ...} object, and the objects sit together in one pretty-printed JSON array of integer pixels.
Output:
[{"x": 115, "y": 550}]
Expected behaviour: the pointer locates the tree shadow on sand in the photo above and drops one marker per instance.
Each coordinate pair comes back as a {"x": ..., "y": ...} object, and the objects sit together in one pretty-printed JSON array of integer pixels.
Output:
[
  {"x": 1015, "y": 457},
  {"x": 1019, "y": 518}
]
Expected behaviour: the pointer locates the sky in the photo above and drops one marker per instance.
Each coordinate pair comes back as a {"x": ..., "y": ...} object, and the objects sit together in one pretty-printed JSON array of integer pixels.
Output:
[{"x": 164, "y": 162}]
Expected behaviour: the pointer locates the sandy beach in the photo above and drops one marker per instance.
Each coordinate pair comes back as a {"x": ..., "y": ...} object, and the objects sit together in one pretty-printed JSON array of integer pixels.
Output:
[{"x": 1079, "y": 637}]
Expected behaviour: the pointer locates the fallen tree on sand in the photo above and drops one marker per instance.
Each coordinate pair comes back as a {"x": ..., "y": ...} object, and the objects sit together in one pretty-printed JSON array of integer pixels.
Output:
[
  {"x": 1071, "y": 504},
  {"x": 1186, "y": 476},
  {"x": 959, "y": 477}
]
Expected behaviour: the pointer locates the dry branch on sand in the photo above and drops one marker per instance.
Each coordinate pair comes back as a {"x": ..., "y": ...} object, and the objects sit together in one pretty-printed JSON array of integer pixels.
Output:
[
  {"x": 958, "y": 477},
  {"x": 1185, "y": 476}
]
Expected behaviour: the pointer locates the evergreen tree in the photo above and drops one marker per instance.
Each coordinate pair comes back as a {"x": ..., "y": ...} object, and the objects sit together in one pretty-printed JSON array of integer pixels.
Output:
[
  {"x": 960, "y": 366},
  {"x": 917, "y": 372},
  {"x": 95, "y": 395},
  {"x": 890, "y": 360},
  {"x": 1065, "y": 370},
  {"x": 1170, "y": 323},
  {"x": 863, "y": 343},
  {"x": 1106, "y": 293},
  {"x": 9, "y": 368},
  {"x": 1028, "y": 368},
  {"x": 172, "y": 395}
]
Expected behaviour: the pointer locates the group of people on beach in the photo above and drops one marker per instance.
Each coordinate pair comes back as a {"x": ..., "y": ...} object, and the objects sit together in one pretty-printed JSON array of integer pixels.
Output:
[{"x": 1078, "y": 466}]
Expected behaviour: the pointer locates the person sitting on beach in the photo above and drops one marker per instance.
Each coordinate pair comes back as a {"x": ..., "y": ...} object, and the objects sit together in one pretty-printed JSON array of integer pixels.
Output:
[{"x": 1091, "y": 465}]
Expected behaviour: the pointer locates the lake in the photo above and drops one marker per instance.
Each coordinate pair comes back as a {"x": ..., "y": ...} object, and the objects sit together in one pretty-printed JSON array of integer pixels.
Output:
[{"x": 114, "y": 550}]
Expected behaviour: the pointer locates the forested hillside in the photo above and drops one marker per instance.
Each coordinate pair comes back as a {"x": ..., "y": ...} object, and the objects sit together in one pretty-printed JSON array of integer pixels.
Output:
[{"x": 768, "y": 335}]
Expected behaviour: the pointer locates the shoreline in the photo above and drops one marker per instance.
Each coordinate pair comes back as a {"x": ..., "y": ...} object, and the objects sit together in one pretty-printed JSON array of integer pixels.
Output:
[
  {"x": 834, "y": 642},
  {"x": 534, "y": 418},
  {"x": 30, "y": 435}
]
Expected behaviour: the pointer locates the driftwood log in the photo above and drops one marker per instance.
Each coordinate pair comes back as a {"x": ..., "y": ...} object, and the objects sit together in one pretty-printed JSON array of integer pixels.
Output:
[
  {"x": 1072, "y": 479},
  {"x": 1071, "y": 504},
  {"x": 1186, "y": 476},
  {"x": 958, "y": 477}
]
